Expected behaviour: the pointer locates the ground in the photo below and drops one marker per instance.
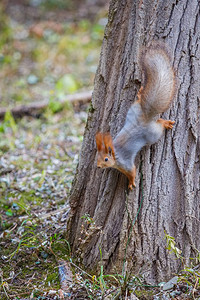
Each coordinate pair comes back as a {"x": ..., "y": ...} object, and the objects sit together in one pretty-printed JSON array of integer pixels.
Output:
[{"x": 41, "y": 59}]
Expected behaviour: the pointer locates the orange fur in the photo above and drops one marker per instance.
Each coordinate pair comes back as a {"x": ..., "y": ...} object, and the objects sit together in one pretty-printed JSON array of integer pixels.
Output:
[
  {"x": 99, "y": 141},
  {"x": 168, "y": 124},
  {"x": 108, "y": 142},
  {"x": 130, "y": 175}
]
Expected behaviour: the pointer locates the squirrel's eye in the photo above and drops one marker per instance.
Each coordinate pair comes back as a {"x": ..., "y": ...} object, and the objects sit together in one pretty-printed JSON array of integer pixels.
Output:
[{"x": 106, "y": 159}]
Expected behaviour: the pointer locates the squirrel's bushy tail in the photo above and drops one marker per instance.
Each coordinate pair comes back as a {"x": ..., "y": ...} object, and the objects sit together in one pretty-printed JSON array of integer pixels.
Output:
[{"x": 159, "y": 80}]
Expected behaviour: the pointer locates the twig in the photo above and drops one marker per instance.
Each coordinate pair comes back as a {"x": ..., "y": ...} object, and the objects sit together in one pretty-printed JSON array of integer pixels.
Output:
[
  {"x": 12, "y": 279},
  {"x": 46, "y": 215},
  {"x": 5, "y": 291},
  {"x": 194, "y": 289},
  {"x": 36, "y": 107},
  {"x": 80, "y": 269},
  {"x": 21, "y": 294},
  {"x": 13, "y": 228}
]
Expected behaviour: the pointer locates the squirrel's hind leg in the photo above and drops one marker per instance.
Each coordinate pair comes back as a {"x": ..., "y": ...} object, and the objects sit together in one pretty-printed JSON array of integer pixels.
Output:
[
  {"x": 131, "y": 177},
  {"x": 168, "y": 124}
]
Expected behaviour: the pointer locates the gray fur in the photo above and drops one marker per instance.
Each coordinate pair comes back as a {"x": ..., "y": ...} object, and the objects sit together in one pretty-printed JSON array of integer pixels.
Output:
[
  {"x": 159, "y": 80},
  {"x": 135, "y": 134},
  {"x": 158, "y": 91}
]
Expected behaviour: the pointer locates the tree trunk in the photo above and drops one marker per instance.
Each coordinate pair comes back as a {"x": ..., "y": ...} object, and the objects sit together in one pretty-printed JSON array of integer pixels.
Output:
[{"x": 167, "y": 193}]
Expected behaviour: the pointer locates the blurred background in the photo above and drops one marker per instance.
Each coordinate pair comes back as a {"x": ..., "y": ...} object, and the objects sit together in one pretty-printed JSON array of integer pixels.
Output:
[{"x": 49, "y": 48}]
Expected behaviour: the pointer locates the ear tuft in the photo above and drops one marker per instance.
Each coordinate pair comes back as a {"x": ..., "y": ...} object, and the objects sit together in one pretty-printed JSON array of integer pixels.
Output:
[
  {"x": 99, "y": 141},
  {"x": 108, "y": 142}
]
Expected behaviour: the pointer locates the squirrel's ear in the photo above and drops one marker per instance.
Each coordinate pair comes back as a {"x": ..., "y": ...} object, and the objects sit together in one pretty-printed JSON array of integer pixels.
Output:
[
  {"x": 99, "y": 141},
  {"x": 108, "y": 142}
]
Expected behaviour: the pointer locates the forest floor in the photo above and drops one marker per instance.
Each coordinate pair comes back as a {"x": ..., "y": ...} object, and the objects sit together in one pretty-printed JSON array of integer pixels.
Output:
[{"x": 42, "y": 58}]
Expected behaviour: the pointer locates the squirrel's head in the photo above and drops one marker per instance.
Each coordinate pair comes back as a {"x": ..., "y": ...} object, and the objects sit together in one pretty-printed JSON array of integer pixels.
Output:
[{"x": 105, "y": 148}]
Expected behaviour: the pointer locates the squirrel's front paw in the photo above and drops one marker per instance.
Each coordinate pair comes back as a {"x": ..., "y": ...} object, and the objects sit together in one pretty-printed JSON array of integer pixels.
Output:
[{"x": 169, "y": 124}]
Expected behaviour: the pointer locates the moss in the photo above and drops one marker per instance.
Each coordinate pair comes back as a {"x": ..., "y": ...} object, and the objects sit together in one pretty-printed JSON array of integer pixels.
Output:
[
  {"x": 22, "y": 201},
  {"x": 61, "y": 248},
  {"x": 91, "y": 108},
  {"x": 53, "y": 278},
  {"x": 26, "y": 263},
  {"x": 144, "y": 294}
]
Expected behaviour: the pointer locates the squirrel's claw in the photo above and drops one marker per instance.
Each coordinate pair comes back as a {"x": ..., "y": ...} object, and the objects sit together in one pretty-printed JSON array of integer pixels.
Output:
[
  {"x": 131, "y": 185},
  {"x": 169, "y": 124}
]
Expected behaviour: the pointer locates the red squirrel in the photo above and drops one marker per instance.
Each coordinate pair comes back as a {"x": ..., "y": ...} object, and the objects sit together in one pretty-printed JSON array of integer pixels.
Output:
[{"x": 140, "y": 128}]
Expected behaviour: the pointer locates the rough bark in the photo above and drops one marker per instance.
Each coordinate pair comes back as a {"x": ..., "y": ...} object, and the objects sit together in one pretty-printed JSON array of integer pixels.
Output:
[{"x": 168, "y": 173}]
